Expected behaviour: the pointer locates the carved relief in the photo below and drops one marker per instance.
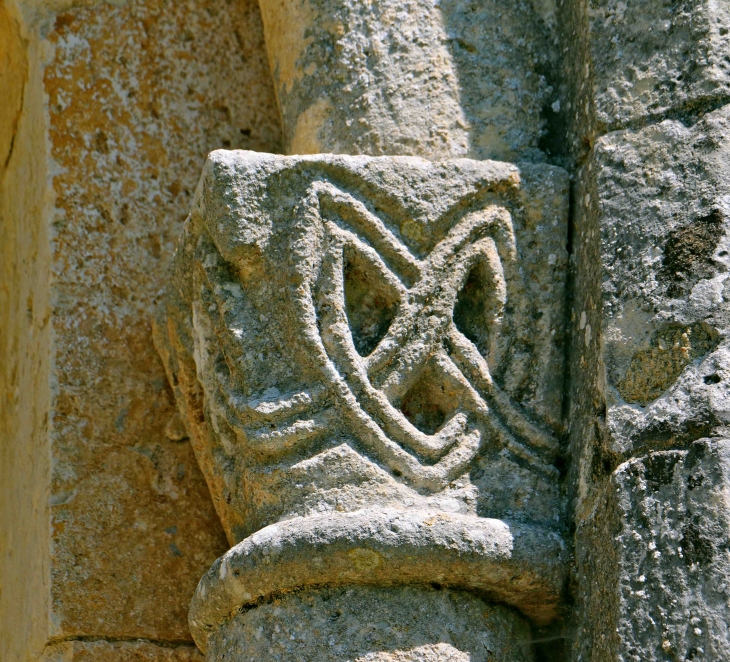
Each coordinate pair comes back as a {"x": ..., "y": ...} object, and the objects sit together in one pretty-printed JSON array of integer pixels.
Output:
[{"x": 355, "y": 333}]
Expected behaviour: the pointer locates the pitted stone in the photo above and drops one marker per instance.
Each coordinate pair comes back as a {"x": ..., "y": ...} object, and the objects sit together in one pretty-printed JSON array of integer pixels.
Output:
[
  {"x": 374, "y": 624},
  {"x": 660, "y": 590},
  {"x": 519, "y": 565},
  {"x": 411, "y": 77},
  {"x": 287, "y": 417},
  {"x": 366, "y": 353},
  {"x": 663, "y": 205}
]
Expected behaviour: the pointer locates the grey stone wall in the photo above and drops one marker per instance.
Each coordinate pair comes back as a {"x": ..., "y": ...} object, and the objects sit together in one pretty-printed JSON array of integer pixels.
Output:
[{"x": 644, "y": 87}]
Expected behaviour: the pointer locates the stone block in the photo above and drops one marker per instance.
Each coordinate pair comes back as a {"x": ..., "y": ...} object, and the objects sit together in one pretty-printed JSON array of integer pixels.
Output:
[
  {"x": 663, "y": 591},
  {"x": 650, "y": 310},
  {"x": 422, "y": 334},
  {"x": 25, "y": 388},
  {"x": 107, "y": 522},
  {"x": 120, "y": 651},
  {"x": 663, "y": 204},
  {"x": 133, "y": 527},
  {"x": 650, "y": 59},
  {"x": 630, "y": 64}
]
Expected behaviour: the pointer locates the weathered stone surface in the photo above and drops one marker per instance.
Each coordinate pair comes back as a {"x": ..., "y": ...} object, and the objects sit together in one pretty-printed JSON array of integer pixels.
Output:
[
  {"x": 291, "y": 383},
  {"x": 133, "y": 527},
  {"x": 649, "y": 319},
  {"x": 375, "y": 625},
  {"x": 25, "y": 335},
  {"x": 436, "y": 80},
  {"x": 650, "y": 58},
  {"x": 107, "y": 523},
  {"x": 663, "y": 593},
  {"x": 519, "y": 565},
  {"x": 13, "y": 75},
  {"x": 120, "y": 651},
  {"x": 663, "y": 204},
  {"x": 366, "y": 354},
  {"x": 651, "y": 312},
  {"x": 631, "y": 64},
  {"x": 347, "y": 436}
]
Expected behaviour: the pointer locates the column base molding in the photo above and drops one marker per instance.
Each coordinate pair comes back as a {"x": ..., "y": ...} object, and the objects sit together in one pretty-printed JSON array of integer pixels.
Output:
[{"x": 514, "y": 564}]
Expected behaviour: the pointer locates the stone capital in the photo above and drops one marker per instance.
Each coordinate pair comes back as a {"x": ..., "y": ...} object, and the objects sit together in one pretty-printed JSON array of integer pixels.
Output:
[{"x": 363, "y": 351}]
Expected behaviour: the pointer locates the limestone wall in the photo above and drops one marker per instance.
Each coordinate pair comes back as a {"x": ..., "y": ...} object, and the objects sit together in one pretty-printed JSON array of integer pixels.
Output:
[
  {"x": 647, "y": 84},
  {"x": 107, "y": 521},
  {"x": 25, "y": 337}
]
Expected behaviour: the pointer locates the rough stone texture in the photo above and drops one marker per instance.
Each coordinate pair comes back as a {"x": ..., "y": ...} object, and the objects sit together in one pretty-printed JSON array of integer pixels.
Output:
[
  {"x": 135, "y": 97},
  {"x": 650, "y": 311},
  {"x": 345, "y": 333},
  {"x": 652, "y": 58},
  {"x": 260, "y": 372},
  {"x": 521, "y": 566},
  {"x": 436, "y": 80},
  {"x": 663, "y": 206},
  {"x": 667, "y": 514},
  {"x": 649, "y": 318},
  {"x": 121, "y": 105},
  {"x": 132, "y": 651},
  {"x": 133, "y": 110},
  {"x": 375, "y": 625},
  {"x": 628, "y": 64},
  {"x": 24, "y": 357}
]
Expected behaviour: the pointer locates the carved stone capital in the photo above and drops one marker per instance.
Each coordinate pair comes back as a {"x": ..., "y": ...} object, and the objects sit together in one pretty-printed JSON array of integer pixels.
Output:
[{"x": 367, "y": 356}]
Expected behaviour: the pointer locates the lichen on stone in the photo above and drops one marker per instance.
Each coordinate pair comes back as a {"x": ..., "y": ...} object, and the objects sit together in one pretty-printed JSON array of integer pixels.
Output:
[{"x": 652, "y": 371}]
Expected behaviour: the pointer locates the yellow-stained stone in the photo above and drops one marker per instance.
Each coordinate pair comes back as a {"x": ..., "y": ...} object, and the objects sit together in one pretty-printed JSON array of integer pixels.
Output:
[
  {"x": 107, "y": 523},
  {"x": 134, "y": 651},
  {"x": 25, "y": 336},
  {"x": 13, "y": 73},
  {"x": 137, "y": 96}
]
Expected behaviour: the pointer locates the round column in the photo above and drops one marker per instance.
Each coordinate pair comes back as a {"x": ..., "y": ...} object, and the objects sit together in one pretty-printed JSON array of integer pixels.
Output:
[
  {"x": 374, "y": 624},
  {"x": 329, "y": 473},
  {"x": 357, "y": 522},
  {"x": 455, "y": 78}
]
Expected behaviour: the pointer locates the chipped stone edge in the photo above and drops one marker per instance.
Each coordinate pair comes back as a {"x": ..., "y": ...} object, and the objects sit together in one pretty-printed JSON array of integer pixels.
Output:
[{"x": 522, "y": 566}]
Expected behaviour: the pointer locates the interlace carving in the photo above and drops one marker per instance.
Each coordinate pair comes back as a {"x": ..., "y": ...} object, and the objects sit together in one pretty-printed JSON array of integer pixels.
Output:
[
  {"x": 320, "y": 328},
  {"x": 421, "y": 343},
  {"x": 366, "y": 352}
]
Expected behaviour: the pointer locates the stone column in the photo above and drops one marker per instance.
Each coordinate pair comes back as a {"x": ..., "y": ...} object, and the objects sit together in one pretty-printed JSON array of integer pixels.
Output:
[
  {"x": 455, "y": 78},
  {"x": 354, "y": 348},
  {"x": 367, "y": 352}
]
